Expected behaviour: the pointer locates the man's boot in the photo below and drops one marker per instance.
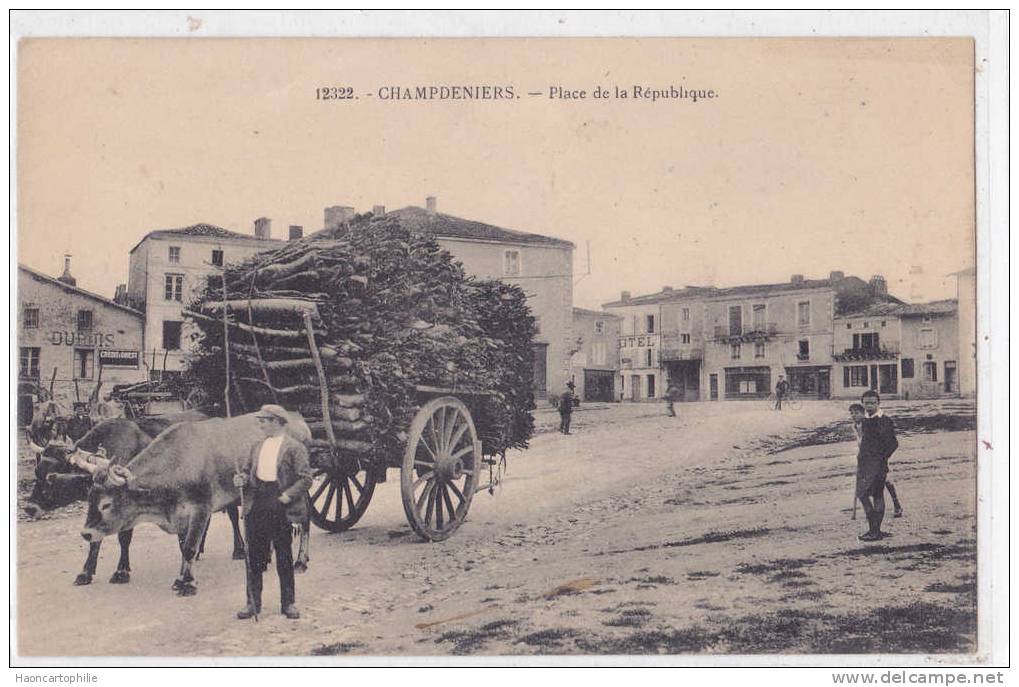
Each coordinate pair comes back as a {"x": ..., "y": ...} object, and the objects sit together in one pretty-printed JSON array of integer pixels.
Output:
[{"x": 254, "y": 606}]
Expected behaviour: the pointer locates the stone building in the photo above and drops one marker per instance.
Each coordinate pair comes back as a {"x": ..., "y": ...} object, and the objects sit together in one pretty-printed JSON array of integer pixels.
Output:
[
  {"x": 901, "y": 350},
  {"x": 966, "y": 295},
  {"x": 167, "y": 267},
  {"x": 596, "y": 359},
  {"x": 70, "y": 340},
  {"x": 661, "y": 342}
]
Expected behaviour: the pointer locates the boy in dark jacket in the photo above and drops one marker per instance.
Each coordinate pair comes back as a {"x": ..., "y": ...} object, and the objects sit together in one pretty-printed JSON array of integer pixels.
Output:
[{"x": 877, "y": 444}]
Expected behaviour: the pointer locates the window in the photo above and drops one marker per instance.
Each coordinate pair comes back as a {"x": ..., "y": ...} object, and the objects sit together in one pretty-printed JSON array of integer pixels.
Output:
[
  {"x": 511, "y": 263},
  {"x": 930, "y": 371},
  {"x": 907, "y": 368},
  {"x": 855, "y": 375},
  {"x": 537, "y": 324},
  {"x": 866, "y": 341},
  {"x": 735, "y": 320},
  {"x": 217, "y": 258},
  {"x": 882, "y": 323},
  {"x": 650, "y": 386},
  {"x": 684, "y": 338},
  {"x": 649, "y": 324},
  {"x": 735, "y": 351},
  {"x": 83, "y": 362},
  {"x": 849, "y": 325},
  {"x": 84, "y": 320},
  {"x": 174, "y": 290},
  {"x": 803, "y": 313},
  {"x": 748, "y": 386},
  {"x": 599, "y": 327},
  {"x": 171, "y": 335},
  {"x": 647, "y": 358},
  {"x": 803, "y": 350},
  {"x": 758, "y": 349},
  {"x": 928, "y": 338},
  {"x": 30, "y": 318},
  {"x": 28, "y": 362},
  {"x": 686, "y": 314},
  {"x": 759, "y": 311},
  {"x": 174, "y": 255}
]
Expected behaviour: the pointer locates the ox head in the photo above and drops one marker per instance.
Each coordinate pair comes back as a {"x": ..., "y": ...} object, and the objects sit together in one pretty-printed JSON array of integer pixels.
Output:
[
  {"x": 113, "y": 503},
  {"x": 58, "y": 482}
]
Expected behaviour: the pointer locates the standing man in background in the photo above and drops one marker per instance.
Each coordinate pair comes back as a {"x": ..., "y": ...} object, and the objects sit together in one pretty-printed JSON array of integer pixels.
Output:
[
  {"x": 672, "y": 394},
  {"x": 781, "y": 390},
  {"x": 566, "y": 408}
]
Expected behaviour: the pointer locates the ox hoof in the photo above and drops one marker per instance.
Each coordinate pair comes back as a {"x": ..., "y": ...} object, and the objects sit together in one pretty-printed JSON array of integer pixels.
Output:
[
  {"x": 239, "y": 555},
  {"x": 82, "y": 579},
  {"x": 120, "y": 577},
  {"x": 187, "y": 589},
  {"x": 300, "y": 567}
]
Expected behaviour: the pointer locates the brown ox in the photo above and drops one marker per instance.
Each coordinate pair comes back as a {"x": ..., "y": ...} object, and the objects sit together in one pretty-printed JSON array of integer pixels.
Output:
[{"x": 177, "y": 482}]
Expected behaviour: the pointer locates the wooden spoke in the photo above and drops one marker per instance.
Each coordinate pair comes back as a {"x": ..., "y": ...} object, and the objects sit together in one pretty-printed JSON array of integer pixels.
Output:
[
  {"x": 327, "y": 498},
  {"x": 430, "y": 501},
  {"x": 457, "y": 492},
  {"x": 455, "y": 440},
  {"x": 438, "y": 506},
  {"x": 464, "y": 451},
  {"x": 449, "y": 501}
]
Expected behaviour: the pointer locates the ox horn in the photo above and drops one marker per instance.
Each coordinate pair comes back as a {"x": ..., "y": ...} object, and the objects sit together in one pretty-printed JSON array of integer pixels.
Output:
[
  {"x": 90, "y": 463},
  {"x": 118, "y": 475}
]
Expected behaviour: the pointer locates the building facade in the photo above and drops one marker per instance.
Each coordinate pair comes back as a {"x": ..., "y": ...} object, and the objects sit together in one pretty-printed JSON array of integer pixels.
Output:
[
  {"x": 754, "y": 334},
  {"x": 899, "y": 350},
  {"x": 541, "y": 265},
  {"x": 167, "y": 268},
  {"x": 966, "y": 295},
  {"x": 661, "y": 342},
  {"x": 596, "y": 360},
  {"x": 71, "y": 340}
]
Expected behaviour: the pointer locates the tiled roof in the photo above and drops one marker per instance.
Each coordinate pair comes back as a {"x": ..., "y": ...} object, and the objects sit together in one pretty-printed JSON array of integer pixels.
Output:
[
  {"x": 76, "y": 290},
  {"x": 943, "y": 307},
  {"x": 783, "y": 287},
  {"x": 447, "y": 226},
  {"x": 666, "y": 296},
  {"x": 202, "y": 230},
  {"x": 594, "y": 313}
]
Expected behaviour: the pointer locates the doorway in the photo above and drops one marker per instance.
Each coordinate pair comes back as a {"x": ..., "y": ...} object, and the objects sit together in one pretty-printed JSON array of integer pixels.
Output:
[
  {"x": 951, "y": 386},
  {"x": 713, "y": 386},
  {"x": 634, "y": 387}
]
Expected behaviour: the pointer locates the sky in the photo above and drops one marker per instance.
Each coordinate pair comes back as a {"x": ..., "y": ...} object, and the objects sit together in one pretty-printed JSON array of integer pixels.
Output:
[{"x": 815, "y": 155}]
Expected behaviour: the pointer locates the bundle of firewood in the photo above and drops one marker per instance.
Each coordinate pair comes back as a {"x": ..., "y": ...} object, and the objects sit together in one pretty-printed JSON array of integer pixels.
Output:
[{"x": 368, "y": 311}]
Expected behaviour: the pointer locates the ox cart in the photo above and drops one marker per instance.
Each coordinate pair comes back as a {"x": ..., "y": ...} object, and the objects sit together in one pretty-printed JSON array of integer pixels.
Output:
[{"x": 449, "y": 448}]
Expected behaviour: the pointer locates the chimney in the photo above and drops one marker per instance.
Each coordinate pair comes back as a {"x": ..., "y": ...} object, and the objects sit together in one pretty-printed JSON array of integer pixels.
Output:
[
  {"x": 837, "y": 275},
  {"x": 296, "y": 232},
  {"x": 624, "y": 296},
  {"x": 378, "y": 210},
  {"x": 336, "y": 215},
  {"x": 263, "y": 228},
  {"x": 66, "y": 276},
  {"x": 430, "y": 203},
  {"x": 878, "y": 285},
  {"x": 796, "y": 279}
]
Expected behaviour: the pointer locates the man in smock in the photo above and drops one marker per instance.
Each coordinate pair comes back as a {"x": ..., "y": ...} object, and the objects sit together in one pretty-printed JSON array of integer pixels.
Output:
[{"x": 274, "y": 484}]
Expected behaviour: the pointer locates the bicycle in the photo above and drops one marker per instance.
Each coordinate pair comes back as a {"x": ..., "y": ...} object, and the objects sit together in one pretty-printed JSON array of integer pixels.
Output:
[{"x": 791, "y": 401}]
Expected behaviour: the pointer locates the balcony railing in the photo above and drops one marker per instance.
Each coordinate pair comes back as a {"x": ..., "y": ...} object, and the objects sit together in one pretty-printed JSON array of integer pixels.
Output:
[
  {"x": 749, "y": 332},
  {"x": 683, "y": 352},
  {"x": 884, "y": 352}
]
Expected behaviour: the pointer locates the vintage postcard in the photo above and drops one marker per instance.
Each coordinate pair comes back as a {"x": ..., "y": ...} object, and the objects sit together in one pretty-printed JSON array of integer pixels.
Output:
[{"x": 497, "y": 347}]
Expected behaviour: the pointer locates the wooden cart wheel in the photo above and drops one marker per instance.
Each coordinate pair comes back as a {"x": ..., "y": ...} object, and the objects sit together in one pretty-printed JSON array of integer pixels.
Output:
[
  {"x": 339, "y": 499},
  {"x": 440, "y": 468}
]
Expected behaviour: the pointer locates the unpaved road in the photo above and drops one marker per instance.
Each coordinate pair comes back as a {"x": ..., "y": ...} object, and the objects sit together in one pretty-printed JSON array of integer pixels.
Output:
[{"x": 638, "y": 534}]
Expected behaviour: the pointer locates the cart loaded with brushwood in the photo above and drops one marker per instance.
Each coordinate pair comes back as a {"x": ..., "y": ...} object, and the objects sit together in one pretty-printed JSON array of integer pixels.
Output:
[{"x": 393, "y": 355}]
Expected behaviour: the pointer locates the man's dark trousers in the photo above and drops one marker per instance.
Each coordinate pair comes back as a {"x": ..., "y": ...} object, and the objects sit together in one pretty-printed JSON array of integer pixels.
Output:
[
  {"x": 564, "y": 421},
  {"x": 267, "y": 524}
]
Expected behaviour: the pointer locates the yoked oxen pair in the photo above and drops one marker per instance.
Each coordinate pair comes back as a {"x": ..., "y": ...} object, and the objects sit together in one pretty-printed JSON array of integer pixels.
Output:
[
  {"x": 63, "y": 475},
  {"x": 178, "y": 481}
]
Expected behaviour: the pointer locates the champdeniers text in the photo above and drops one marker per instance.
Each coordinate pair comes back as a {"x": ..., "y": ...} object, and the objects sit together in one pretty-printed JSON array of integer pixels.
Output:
[{"x": 476, "y": 92}]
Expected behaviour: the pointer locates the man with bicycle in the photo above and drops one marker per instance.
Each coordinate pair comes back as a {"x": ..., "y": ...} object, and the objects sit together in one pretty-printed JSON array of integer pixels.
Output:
[{"x": 781, "y": 390}]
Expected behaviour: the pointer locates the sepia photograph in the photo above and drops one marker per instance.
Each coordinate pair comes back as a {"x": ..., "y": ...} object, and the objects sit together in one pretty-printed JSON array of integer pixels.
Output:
[{"x": 497, "y": 348}]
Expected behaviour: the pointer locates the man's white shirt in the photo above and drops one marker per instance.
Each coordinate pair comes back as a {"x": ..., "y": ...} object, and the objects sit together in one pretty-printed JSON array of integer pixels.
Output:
[{"x": 268, "y": 456}]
